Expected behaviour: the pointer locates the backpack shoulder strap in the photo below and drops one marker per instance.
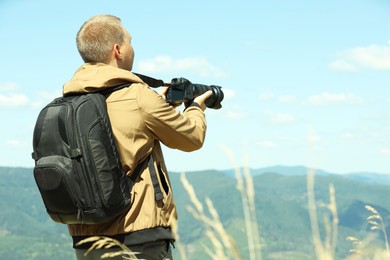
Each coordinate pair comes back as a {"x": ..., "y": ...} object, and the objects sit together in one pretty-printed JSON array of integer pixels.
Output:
[
  {"x": 157, "y": 190},
  {"x": 108, "y": 91},
  {"x": 103, "y": 92},
  {"x": 149, "y": 162}
]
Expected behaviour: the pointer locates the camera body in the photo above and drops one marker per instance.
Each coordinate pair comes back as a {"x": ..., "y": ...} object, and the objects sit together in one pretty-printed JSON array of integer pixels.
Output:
[{"x": 182, "y": 90}]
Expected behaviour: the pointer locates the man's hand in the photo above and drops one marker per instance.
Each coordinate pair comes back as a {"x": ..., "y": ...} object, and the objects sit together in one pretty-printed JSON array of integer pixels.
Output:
[
  {"x": 163, "y": 92},
  {"x": 199, "y": 99},
  {"x": 202, "y": 98}
]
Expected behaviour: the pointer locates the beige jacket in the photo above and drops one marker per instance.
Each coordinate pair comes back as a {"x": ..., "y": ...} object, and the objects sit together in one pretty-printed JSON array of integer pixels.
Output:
[{"x": 140, "y": 119}]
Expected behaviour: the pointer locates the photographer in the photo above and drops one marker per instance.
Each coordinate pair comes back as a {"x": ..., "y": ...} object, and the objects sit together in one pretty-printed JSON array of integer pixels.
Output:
[{"x": 140, "y": 120}]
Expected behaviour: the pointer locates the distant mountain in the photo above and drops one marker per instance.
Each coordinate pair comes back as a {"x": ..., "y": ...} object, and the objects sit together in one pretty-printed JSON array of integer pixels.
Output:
[
  {"x": 26, "y": 232},
  {"x": 369, "y": 177},
  {"x": 279, "y": 169},
  {"x": 366, "y": 177}
]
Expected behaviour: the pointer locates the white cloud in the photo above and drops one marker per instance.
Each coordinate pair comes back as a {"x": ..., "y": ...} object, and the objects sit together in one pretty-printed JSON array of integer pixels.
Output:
[
  {"x": 13, "y": 100},
  {"x": 327, "y": 98},
  {"x": 197, "y": 65},
  {"x": 376, "y": 57},
  {"x": 266, "y": 96},
  {"x": 284, "y": 118},
  {"x": 266, "y": 144},
  {"x": 8, "y": 86},
  {"x": 376, "y": 115},
  {"x": 342, "y": 65},
  {"x": 43, "y": 98},
  {"x": 228, "y": 93},
  {"x": 349, "y": 135},
  {"x": 280, "y": 118},
  {"x": 9, "y": 97},
  {"x": 385, "y": 150},
  {"x": 288, "y": 99},
  {"x": 313, "y": 138},
  {"x": 14, "y": 142},
  {"x": 235, "y": 113}
]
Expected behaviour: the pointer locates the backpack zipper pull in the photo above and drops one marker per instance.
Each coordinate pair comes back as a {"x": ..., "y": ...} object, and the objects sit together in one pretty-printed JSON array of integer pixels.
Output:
[{"x": 80, "y": 215}]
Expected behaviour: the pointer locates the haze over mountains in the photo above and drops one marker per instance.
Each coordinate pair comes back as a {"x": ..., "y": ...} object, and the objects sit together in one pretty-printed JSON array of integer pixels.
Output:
[{"x": 368, "y": 177}]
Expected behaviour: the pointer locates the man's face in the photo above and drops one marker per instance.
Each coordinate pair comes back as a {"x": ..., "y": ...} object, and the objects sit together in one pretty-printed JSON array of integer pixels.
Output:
[{"x": 127, "y": 53}]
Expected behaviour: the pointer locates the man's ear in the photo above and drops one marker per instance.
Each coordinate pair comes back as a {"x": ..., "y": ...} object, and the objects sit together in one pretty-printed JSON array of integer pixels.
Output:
[{"x": 117, "y": 51}]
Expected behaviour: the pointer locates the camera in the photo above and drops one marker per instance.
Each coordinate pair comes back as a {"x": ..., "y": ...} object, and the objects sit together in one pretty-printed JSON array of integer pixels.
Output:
[{"x": 182, "y": 90}]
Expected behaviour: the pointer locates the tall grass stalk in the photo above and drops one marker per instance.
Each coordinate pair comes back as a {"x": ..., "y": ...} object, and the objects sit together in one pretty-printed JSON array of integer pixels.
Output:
[
  {"x": 224, "y": 245},
  {"x": 102, "y": 242},
  {"x": 253, "y": 215},
  {"x": 363, "y": 249},
  {"x": 324, "y": 250},
  {"x": 372, "y": 220},
  {"x": 180, "y": 247},
  {"x": 245, "y": 186},
  {"x": 332, "y": 232}
]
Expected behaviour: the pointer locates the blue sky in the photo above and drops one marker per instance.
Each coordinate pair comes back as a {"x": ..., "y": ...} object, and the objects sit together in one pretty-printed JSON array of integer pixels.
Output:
[{"x": 306, "y": 82}]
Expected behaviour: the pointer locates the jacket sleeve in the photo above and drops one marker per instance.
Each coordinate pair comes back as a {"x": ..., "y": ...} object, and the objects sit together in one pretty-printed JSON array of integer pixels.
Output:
[{"x": 185, "y": 131}]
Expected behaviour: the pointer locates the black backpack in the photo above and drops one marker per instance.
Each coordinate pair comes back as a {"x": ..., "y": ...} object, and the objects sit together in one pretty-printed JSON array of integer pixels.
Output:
[{"x": 77, "y": 166}]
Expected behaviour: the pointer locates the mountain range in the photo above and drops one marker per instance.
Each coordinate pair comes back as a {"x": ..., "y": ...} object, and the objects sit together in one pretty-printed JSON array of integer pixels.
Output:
[
  {"x": 365, "y": 177},
  {"x": 281, "y": 206}
]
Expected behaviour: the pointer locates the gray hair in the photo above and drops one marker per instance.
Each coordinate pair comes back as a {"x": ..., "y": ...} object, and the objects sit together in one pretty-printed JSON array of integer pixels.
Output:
[{"x": 97, "y": 36}]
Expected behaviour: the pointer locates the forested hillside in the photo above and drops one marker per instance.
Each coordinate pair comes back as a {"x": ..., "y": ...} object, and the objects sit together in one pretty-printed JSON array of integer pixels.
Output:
[{"x": 26, "y": 232}]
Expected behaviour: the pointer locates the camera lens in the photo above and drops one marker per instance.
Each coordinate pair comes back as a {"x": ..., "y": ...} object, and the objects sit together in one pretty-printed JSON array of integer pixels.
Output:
[
  {"x": 182, "y": 90},
  {"x": 214, "y": 101}
]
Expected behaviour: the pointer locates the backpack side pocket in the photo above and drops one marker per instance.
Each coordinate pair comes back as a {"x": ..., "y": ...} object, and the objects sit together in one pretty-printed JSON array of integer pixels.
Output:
[{"x": 56, "y": 186}]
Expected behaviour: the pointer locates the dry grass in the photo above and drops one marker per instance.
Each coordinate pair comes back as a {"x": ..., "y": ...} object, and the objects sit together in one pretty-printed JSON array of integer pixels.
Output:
[
  {"x": 101, "y": 242},
  {"x": 223, "y": 246},
  {"x": 246, "y": 188},
  {"x": 375, "y": 225},
  {"x": 325, "y": 250},
  {"x": 363, "y": 249}
]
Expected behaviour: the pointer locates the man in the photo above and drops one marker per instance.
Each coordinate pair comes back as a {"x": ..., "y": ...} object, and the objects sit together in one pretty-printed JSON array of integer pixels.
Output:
[{"x": 140, "y": 120}]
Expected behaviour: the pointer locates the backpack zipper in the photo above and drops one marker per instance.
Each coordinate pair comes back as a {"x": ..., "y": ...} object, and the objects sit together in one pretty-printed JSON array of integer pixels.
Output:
[
  {"x": 82, "y": 162},
  {"x": 86, "y": 200}
]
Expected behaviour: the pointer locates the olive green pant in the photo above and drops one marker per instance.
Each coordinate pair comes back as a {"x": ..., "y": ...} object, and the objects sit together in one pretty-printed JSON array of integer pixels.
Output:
[{"x": 160, "y": 250}]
